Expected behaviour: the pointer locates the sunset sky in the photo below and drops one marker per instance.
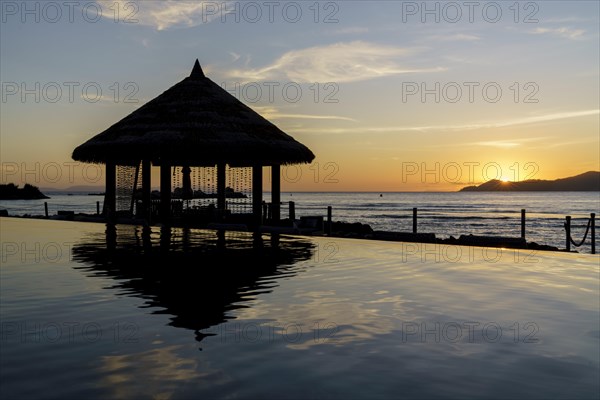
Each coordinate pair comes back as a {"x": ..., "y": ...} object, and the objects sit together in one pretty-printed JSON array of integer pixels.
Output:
[{"x": 379, "y": 91}]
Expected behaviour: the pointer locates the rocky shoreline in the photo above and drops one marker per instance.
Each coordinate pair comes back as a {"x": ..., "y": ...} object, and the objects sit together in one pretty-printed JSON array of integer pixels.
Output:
[{"x": 364, "y": 231}]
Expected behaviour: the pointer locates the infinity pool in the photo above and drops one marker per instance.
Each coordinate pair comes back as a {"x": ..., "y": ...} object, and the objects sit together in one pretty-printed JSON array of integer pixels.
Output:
[{"x": 93, "y": 312}]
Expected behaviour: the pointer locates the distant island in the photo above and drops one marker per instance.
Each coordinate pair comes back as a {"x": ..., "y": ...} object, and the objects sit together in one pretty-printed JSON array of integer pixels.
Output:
[
  {"x": 586, "y": 182},
  {"x": 13, "y": 192},
  {"x": 87, "y": 189}
]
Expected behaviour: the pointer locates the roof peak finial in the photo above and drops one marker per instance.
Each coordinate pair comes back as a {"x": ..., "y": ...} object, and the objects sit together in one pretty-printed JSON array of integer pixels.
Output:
[{"x": 197, "y": 70}]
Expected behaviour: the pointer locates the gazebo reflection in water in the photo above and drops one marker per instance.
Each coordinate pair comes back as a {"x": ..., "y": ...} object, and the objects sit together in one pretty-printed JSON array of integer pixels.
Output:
[
  {"x": 197, "y": 276},
  {"x": 211, "y": 150}
]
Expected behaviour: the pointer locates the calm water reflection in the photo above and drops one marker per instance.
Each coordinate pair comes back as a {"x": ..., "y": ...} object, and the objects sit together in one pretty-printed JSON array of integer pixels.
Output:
[
  {"x": 196, "y": 276},
  {"x": 174, "y": 313}
]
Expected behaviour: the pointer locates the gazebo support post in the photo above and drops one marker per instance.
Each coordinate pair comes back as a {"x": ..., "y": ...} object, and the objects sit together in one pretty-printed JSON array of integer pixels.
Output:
[
  {"x": 276, "y": 193},
  {"x": 257, "y": 194},
  {"x": 165, "y": 192},
  {"x": 110, "y": 196},
  {"x": 221, "y": 189},
  {"x": 146, "y": 189}
]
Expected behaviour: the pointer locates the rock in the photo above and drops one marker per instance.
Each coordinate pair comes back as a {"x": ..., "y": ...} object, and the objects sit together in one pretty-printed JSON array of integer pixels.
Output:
[{"x": 27, "y": 192}]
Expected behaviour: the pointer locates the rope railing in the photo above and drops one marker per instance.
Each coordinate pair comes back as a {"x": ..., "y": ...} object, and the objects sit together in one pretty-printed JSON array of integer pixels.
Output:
[{"x": 591, "y": 227}]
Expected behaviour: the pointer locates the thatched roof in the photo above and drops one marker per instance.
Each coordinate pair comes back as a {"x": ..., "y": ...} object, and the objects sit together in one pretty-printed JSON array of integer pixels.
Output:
[{"x": 196, "y": 122}]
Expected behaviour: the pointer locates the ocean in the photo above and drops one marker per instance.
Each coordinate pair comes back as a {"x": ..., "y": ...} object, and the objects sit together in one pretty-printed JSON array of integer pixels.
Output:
[{"x": 445, "y": 214}]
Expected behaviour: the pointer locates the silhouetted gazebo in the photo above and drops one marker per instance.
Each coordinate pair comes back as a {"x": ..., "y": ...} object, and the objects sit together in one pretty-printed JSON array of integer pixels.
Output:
[{"x": 199, "y": 126}]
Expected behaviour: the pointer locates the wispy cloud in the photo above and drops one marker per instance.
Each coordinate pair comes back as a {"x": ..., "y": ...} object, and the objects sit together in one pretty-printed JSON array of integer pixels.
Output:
[
  {"x": 507, "y": 144},
  {"x": 351, "y": 30},
  {"x": 545, "y": 118},
  {"x": 503, "y": 144},
  {"x": 272, "y": 113},
  {"x": 571, "y": 19},
  {"x": 564, "y": 32},
  {"x": 165, "y": 14},
  {"x": 457, "y": 37},
  {"x": 573, "y": 142},
  {"x": 339, "y": 62},
  {"x": 461, "y": 37},
  {"x": 459, "y": 127}
]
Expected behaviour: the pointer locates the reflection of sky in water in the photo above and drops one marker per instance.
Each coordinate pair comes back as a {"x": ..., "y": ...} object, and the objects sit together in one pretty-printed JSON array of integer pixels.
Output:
[
  {"x": 349, "y": 319},
  {"x": 159, "y": 371}
]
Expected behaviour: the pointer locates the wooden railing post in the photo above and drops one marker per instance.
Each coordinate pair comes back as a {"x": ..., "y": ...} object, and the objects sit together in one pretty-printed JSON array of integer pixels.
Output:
[
  {"x": 415, "y": 220},
  {"x": 292, "y": 211},
  {"x": 568, "y": 231},
  {"x": 523, "y": 223},
  {"x": 593, "y": 228}
]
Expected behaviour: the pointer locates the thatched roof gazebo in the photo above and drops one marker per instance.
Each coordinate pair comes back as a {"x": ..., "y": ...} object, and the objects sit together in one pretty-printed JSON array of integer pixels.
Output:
[{"x": 195, "y": 123}]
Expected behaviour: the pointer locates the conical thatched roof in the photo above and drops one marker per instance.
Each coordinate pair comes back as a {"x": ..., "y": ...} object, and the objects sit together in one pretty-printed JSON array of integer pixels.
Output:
[{"x": 196, "y": 122}]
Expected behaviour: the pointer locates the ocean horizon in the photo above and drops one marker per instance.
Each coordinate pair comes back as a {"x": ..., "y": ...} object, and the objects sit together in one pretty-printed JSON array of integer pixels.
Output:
[{"x": 443, "y": 213}]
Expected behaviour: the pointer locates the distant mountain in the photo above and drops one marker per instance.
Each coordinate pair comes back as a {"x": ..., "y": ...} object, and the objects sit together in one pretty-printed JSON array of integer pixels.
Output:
[
  {"x": 77, "y": 189},
  {"x": 27, "y": 192},
  {"x": 589, "y": 181}
]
